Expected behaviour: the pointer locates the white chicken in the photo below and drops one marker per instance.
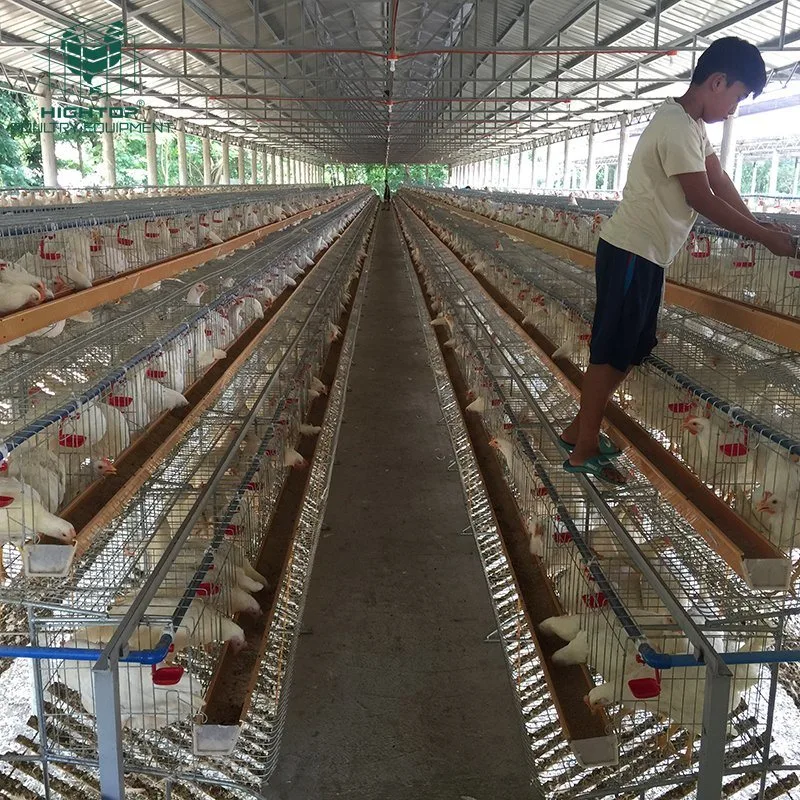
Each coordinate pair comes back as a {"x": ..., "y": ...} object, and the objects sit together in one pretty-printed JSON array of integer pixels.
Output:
[
  {"x": 41, "y": 470},
  {"x": 17, "y": 296},
  {"x": 779, "y": 503},
  {"x": 196, "y": 293},
  {"x": 13, "y": 274},
  {"x": 22, "y": 518},
  {"x": 145, "y": 701},
  {"x": 202, "y": 625}
]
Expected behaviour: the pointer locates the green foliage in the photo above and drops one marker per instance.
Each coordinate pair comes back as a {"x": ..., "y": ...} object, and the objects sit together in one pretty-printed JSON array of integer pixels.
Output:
[
  {"x": 131, "y": 159},
  {"x": 85, "y": 142},
  {"x": 397, "y": 175},
  {"x": 20, "y": 154},
  {"x": 785, "y": 182}
]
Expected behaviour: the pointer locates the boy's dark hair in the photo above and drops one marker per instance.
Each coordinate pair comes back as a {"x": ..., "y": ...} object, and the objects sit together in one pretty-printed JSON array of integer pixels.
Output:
[{"x": 738, "y": 59}]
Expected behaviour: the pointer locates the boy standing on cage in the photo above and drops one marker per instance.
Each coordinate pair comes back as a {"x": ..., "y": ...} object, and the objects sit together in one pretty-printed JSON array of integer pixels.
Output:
[{"x": 674, "y": 175}]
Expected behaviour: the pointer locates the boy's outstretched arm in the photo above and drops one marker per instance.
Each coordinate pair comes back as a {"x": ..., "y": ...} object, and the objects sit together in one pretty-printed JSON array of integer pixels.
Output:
[{"x": 699, "y": 196}]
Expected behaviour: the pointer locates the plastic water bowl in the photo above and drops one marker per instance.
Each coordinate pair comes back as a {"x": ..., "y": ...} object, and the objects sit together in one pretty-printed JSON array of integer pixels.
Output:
[{"x": 47, "y": 560}]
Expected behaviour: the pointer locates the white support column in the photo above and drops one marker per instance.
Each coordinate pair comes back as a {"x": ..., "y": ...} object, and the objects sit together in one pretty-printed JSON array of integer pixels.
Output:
[
  {"x": 589, "y": 178},
  {"x": 206, "y": 158},
  {"x": 254, "y": 166},
  {"x": 47, "y": 137},
  {"x": 548, "y": 169},
  {"x": 533, "y": 170},
  {"x": 150, "y": 149},
  {"x": 183, "y": 167},
  {"x": 226, "y": 161},
  {"x": 727, "y": 150},
  {"x": 773, "y": 172},
  {"x": 565, "y": 172},
  {"x": 264, "y": 166},
  {"x": 109, "y": 154},
  {"x": 622, "y": 158},
  {"x": 273, "y": 173},
  {"x": 796, "y": 176},
  {"x": 518, "y": 175},
  {"x": 240, "y": 164}
]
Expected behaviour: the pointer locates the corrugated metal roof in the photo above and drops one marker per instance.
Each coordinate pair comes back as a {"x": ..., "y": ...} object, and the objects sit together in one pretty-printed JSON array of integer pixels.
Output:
[{"x": 335, "y": 104}]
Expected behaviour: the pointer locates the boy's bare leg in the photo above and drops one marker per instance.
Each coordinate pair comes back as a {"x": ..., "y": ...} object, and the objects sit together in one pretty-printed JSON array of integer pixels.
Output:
[{"x": 599, "y": 384}]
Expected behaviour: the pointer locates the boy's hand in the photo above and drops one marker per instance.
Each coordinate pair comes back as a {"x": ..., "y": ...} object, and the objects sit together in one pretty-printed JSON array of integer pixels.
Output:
[
  {"x": 780, "y": 243},
  {"x": 775, "y": 226}
]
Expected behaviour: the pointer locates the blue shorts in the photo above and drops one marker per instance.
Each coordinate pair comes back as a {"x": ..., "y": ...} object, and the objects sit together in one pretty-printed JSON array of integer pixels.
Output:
[{"x": 629, "y": 290}]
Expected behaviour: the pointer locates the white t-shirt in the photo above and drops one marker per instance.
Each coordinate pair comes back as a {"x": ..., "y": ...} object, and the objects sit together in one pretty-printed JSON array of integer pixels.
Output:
[{"x": 653, "y": 218}]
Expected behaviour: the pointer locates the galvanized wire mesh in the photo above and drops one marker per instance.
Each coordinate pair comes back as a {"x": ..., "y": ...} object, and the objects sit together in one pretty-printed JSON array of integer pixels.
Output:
[
  {"x": 156, "y": 713},
  {"x": 722, "y": 400},
  {"x": 57, "y": 249},
  {"x": 504, "y": 380},
  {"x": 713, "y": 259}
]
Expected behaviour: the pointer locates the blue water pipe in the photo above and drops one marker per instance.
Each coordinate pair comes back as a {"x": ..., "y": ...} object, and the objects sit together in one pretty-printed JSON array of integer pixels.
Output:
[{"x": 154, "y": 656}]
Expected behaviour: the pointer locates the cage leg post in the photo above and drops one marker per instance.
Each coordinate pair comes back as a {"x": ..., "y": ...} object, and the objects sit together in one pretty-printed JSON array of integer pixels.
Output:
[
  {"x": 715, "y": 722},
  {"x": 38, "y": 689},
  {"x": 767, "y": 739},
  {"x": 109, "y": 727}
]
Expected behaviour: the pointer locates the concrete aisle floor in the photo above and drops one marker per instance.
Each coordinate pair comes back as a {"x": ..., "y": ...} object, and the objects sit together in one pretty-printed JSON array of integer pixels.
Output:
[{"x": 396, "y": 695}]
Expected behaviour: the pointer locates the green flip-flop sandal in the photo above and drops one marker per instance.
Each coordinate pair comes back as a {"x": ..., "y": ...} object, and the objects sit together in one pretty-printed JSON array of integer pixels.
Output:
[
  {"x": 598, "y": 467},
  {"x": 607, "y": 448}
]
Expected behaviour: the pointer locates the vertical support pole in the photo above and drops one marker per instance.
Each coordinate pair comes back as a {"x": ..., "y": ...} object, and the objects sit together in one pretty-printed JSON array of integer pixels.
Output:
[
  {"x": 38, "y": 695},
  {"x": 533, "y": 170},
  {"x": 796, "y": 177},
  {"x": 737, "y": 172},
  {"x": 548, "y": 169},
  {"x": 518, "y": 176},
  {"x": 773, "y": 172},
  {"x": 727, "y": 150},
  {"x": 240, "y": 164},
  {"x": 622, "y": 158},
  {"x": 273, "y": 169},
  {"x": 183, "y": 169},
  {"x": 254, "y": 166},
  {"x": 754, "y": 177},
  {"x": 715, "y": 722},
  {"x": 47, "y": 136},
  {"x": 265, "y": 167},
  {"x": 507, "y": 181},
  {"x": 565, "y": 180},
  {"x": 150, "y": 148},
  {"x": 589, "y": 179},
  {"x": 206, "y": 158},
  {"x": 109, "y": 154},
  {"x": 105, "y": 675},
  {"x": 226, "y": 161}
]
